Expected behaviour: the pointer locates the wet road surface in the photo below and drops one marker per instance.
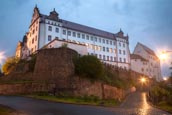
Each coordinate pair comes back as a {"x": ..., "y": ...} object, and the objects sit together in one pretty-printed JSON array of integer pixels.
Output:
[{"x": 135, "y": 104}]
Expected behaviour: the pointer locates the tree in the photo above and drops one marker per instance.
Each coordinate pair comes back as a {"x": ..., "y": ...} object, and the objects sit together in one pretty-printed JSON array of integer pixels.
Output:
[
  {"x": 9, "y": 65},
  {"x": 1, "y": 74},
  {"x": 89, "y": 66}
]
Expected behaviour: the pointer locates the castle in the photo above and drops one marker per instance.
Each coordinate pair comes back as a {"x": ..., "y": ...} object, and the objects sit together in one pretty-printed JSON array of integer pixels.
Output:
[{"x": 49, "y": 31}]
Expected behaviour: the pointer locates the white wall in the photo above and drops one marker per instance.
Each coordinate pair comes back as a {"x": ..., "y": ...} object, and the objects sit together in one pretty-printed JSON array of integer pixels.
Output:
[{"x": 81, "y": 49}]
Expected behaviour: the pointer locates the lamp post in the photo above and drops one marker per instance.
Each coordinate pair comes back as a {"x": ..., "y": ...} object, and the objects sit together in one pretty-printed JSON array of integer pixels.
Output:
[
  {"x": 143, "y": 82},
  {"x": 164, "y": 56}
]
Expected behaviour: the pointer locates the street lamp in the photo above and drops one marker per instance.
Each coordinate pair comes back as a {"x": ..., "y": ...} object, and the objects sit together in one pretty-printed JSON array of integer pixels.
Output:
[
  {"x": 164, "y": 55},
  {"x": 143, "y": 80}
]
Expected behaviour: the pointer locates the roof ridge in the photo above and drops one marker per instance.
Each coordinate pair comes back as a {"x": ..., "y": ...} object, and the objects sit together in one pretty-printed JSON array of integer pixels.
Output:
[
  {"x": 146, "y": 47},
  {"x": 88, "y": 26}
]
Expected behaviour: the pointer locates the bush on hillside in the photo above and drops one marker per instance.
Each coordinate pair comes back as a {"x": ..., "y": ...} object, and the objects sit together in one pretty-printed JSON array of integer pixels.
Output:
[
  {"x": 89, "y": 66},
  {"x": 13, "y": 64},
  {"x": 159, "y": 94},
  {"x": 10, "y": 65}
]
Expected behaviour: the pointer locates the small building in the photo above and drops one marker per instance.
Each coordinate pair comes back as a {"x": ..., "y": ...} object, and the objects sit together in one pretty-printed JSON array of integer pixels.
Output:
[
  {"x": 145, "y": 61},
  {"x": 79, "y": 47},
  {"x": 139, "y": 64}
]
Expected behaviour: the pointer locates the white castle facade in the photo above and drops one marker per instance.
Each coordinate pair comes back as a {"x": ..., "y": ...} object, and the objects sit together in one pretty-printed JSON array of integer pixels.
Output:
[
  {"x": 145, "y": 61},
  {"x": 49, "y": 31}
]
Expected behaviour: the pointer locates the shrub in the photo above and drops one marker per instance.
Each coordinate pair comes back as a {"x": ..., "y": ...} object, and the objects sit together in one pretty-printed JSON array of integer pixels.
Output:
[
  {"x": 88, "y": 66},
  {"x": 10, "y": 65}
]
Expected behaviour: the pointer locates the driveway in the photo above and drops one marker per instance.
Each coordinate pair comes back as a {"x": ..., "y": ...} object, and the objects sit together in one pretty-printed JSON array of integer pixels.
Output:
[{"x": 135, "y": 104}]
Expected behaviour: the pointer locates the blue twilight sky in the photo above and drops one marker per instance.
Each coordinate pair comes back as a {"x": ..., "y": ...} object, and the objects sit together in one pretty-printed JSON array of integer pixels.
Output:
[{"x": 145, "y": 21}]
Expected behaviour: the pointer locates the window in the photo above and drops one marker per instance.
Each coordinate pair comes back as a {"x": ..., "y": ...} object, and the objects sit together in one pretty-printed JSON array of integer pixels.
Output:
[
  {"x": 103, "y": 57},
  {"x": 110, "y": 42},
  {"x": 100, "y": 56},
  {"x": 114, "y": 50},
  {"x": 111, "y": 58},
  {"x": 91, "y": 38},
  {"x": 99, "y": 48},
  {"x": 119, "y": 51},
  {"x": 57, "y": 30},
  {"x": 103, "y": 40},
  {"x": 36, "y": 28},
  {"x": 120, "y": 59},
  {"x": 119, "y": 44},
  {"x": 114, "y": 43},
  {"x": 33, "y": 41},
  {"x": 74, "y": 34},
  {"x": 123, "y": 45},
  {"x": 104, "y": 49},
  {"x": 83, "y": 36},
  {"x": 107, "y": 49},
  {"x": 78, "y": 35},
  {"x": 49, "y": 37},
  {"x": 49, "y": 28},
  {"x": 124, "y": 52},
  {"x": 64, "y": 32},
  {"x": 69, "y": 33},
  {"x": 107, "y": 41},
  {"x": 33, "y": 31},
  {"x": 107, "y": 58},
  {"x": 124, "y": 60},
  {"x": 142, "y": 69},
  {"x": 100, "y": 40},
  {"x": 87, "y": 37},
  {"x": 95, "y": 39},
  {"x": 110, "y": 50}
]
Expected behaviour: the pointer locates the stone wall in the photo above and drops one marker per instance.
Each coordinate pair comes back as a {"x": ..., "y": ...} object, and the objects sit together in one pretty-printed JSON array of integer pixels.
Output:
[
  {"x": 112, "y": 92},
  {"x": 79, "y": 87},
  {"x": 55, "y": 63},
  {"x": 24, "y": 88},
  {"x": 55, "y": 66}
]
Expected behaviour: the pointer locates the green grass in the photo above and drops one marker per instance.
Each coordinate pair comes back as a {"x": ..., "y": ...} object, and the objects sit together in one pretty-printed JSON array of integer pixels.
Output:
[
  {"x": 86, "y": 100},
  {"x": 5, "y": 110},
  {"x": 165, "y": 106}
]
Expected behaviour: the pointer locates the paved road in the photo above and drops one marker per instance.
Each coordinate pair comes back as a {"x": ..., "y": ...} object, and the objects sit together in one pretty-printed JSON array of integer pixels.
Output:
[{"x": 135, "y": 104}]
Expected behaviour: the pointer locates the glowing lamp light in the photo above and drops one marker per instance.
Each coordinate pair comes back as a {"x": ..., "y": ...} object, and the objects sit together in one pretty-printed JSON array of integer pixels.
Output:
[
  {"x": 163, "y": 56},
  {"x": 143, "y": 80},
  {"x": 165, "y": 79}
]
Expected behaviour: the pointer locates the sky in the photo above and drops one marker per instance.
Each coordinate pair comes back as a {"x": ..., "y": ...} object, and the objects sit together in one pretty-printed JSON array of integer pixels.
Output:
[{"x": 146, "y": 21}]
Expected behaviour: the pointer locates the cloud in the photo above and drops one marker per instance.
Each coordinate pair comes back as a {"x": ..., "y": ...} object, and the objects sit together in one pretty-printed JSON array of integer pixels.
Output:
[{"x": 146, "y": 21}]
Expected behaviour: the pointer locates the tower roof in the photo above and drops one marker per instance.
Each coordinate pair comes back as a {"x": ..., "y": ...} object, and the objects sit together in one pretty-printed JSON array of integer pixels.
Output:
[{"x": 54, "y": 15}]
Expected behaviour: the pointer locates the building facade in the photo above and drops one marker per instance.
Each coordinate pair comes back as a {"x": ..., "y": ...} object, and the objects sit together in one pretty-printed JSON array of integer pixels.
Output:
[
  {"x": 111, "y": 48},
  {"x": 145, "y": 61}
]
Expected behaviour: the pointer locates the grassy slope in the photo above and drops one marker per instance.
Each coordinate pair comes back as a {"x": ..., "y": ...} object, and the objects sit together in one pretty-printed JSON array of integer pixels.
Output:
[
  {"x": 77, "y": 100},
  {"x": 165, "y": 106},
  {"x": 6, "y": 110}
]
